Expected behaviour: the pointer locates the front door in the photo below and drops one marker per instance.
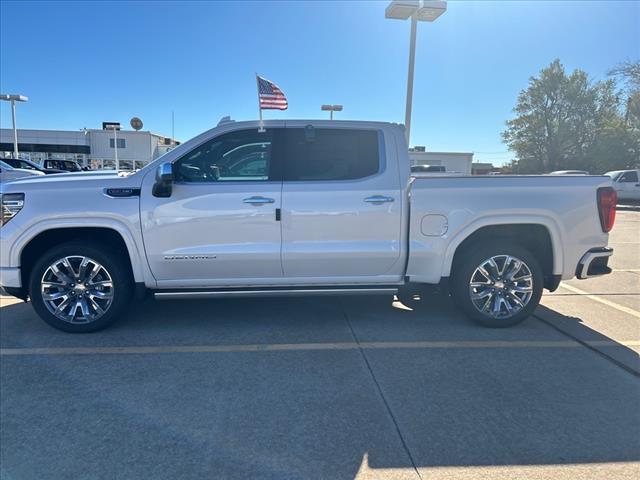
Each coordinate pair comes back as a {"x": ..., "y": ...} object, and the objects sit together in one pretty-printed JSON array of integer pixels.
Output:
[
  {"x": 219, "y": 225},
  {"x": 628, "y": 186}
]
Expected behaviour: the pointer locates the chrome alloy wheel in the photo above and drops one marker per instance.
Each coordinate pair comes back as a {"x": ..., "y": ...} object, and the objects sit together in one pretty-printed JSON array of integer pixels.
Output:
[
  {"x": 77, "y": 289},
  {"x": 501, "y": 286}
]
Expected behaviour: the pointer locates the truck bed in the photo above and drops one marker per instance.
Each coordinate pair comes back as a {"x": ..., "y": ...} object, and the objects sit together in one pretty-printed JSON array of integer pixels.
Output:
[{"x": 446, "y": 210}]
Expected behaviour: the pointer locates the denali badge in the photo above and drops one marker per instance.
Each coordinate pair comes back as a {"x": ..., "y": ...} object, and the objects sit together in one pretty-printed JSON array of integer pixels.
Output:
[{"x": 189, "y": 257}]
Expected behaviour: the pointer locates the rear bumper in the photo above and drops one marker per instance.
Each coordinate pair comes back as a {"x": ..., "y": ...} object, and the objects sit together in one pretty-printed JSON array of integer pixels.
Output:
[{"x": 594, "y": 263}]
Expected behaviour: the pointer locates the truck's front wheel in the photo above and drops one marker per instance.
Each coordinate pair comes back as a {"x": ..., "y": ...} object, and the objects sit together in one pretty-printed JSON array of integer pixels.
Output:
[
  {"x": 497, "y": 285},
  {"x": 76, "y": 288}
]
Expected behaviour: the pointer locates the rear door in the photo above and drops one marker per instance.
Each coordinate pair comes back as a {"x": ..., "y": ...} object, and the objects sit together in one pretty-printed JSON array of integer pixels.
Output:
[{"x": 341, "y": 206}]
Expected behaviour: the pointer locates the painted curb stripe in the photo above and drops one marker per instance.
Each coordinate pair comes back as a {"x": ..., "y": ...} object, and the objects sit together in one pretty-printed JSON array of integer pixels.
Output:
[
  {"x": 306, "y": 347},
  {"x": 604, "y": 301}
]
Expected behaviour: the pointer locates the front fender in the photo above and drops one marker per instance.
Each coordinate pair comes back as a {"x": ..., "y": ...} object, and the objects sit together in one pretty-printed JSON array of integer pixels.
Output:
[{"x": 132, "y": 240}]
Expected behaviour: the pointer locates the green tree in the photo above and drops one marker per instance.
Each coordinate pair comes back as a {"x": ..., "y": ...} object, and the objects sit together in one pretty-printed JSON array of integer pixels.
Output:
[
  {"x": 628, "y": 73},
  {"x": 565, "y": 121}
]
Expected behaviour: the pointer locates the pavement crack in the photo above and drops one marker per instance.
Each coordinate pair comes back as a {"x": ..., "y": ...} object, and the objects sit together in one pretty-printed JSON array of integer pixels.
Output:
[{"x": 380, "y": 392}]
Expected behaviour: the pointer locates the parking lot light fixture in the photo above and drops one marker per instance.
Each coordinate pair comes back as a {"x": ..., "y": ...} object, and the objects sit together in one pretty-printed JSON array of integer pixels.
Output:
[
  {"x": 331, "y": 109},
  {"x": 13, "y": 98},
  {"x": 417, "y": 10}
]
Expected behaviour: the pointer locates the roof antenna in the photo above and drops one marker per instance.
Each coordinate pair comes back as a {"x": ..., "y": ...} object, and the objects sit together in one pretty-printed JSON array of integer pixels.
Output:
[{"x": 226, "y": 119}]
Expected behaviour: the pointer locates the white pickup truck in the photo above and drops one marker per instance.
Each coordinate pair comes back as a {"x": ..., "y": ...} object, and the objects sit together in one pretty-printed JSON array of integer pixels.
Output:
[{"x": 302, "y": 207}]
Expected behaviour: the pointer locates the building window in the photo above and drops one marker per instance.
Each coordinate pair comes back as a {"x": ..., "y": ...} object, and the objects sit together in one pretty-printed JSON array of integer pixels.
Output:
[{"x": 121, "y": 143}]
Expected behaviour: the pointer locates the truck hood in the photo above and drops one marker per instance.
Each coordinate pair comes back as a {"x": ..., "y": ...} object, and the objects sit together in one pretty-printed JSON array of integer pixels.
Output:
[{"x": 71, "y": 181}]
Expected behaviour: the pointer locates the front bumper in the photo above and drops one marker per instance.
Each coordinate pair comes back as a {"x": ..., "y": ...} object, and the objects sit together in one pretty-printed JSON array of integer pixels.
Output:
[
  {"x": 594, "y": 263},
  {"x": 11, "y": 283},
  {"x": 10, "y": 277}
]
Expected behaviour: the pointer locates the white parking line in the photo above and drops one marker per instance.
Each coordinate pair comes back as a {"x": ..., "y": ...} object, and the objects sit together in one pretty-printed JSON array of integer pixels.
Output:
[
  {"x": 278, "y": 347},
  {"x": 604, "y": 301}
]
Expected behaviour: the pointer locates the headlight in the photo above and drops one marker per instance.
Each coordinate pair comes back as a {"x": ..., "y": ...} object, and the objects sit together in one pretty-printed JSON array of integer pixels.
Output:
[{"x": 12, "y": 203}]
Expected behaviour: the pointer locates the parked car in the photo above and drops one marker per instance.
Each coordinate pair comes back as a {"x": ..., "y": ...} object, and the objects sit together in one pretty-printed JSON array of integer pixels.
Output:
[
  {"x": 310, "y": 207},
  {"x": 29, "y": 165},
  {"x": 9, "y": 173},
  {"x": 64, "y": 165},
  {"x": 627, "y": 184},
  {"x": 427, "y": 168},
  {"x": 569, "y": 172}
]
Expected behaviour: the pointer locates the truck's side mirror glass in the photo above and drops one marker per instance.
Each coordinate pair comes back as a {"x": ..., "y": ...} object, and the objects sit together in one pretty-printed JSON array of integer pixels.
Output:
[{"x": 164, "y": 180}]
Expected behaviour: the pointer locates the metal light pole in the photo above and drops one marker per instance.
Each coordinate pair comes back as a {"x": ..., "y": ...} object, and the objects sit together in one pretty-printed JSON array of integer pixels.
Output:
[
  {"x": 115, "y": 148},
  {"x": 417, "y": 10},
  {"x": 113, "y": 126},
  {"x": 331, "y": 109},
  {"x": 412, "y": 62},
  {"x": 13, "y": 99}
]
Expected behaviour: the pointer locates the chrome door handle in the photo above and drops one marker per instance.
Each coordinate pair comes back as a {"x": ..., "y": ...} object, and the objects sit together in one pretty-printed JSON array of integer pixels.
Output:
[
  {"x": 258, "y": 200},
  {"x": 379, "y": 199}
]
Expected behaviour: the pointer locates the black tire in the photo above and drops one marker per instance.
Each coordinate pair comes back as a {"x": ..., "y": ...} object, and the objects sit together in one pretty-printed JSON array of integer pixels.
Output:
[
  {"x": 121, "y": 279},
  {"x": 465, "y": 266}
]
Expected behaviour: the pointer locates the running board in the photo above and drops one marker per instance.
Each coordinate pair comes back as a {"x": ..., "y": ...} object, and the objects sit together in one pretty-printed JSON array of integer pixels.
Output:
[{"x": 274, "y": 292}]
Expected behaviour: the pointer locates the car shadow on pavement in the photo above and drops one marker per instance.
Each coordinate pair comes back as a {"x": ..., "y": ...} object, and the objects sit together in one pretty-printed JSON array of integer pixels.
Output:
[{"x": 376, "y": 408}]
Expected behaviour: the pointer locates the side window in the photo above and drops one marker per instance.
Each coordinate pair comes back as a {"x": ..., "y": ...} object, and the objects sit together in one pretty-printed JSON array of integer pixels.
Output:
[
  {"x": 631, "y": 177},
  {"x": 244, "y": 155},
  {"x": 325, "y": 154}
]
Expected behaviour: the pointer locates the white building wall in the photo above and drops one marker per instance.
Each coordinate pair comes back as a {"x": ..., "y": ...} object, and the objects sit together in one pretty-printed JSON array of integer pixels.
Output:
[
  {"x": 458, "y": 162},
  {"x": 53, "y": 137},
  {"x": 140, "y": 147}
]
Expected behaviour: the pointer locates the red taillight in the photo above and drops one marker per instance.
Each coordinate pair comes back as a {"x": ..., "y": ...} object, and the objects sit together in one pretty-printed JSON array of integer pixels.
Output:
[{"x": 607, "y": 199}]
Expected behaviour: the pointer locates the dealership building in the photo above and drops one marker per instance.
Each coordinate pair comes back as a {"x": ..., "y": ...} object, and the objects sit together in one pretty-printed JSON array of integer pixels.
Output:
[
  {"x": 453, "y": 162},
  {"x": 93, "y": 148}
]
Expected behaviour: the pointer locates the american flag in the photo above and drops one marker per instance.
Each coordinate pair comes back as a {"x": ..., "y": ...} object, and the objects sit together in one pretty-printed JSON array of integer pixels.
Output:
[{"x": 271, "y": 97}]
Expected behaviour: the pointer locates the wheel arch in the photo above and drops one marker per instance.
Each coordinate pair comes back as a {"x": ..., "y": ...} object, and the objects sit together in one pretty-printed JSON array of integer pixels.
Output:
[
  {"x": 541, "y": 238},
  {"x": 31, "y": 247}
]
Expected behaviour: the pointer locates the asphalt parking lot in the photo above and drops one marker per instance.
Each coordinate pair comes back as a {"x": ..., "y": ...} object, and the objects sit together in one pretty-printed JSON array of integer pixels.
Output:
[{"x": 336, "y": 388}]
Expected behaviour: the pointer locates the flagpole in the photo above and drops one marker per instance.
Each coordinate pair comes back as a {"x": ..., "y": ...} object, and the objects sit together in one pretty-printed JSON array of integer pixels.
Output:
[{"x": 261, "y": 128}]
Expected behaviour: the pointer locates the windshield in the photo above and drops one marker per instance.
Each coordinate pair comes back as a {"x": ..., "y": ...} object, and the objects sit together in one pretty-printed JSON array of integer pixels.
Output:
[
  {"x": 25, "y": 165},
  {"x": 17, "y": 163},
  {"x": 614, "y": 175},
  {"x": 71, "y": 166}
]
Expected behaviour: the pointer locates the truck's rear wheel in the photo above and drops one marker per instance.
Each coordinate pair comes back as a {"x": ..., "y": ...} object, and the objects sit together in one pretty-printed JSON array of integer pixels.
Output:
[
  {"x": 76, "y": 288},
  {"x": 497, "y": 285}
]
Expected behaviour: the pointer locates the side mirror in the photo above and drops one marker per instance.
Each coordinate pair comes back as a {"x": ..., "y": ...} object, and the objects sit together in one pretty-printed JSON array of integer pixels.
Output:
[{"x": 164, "y": 180}]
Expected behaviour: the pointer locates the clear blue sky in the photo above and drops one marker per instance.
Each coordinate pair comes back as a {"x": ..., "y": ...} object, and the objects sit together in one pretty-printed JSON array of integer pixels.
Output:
[{"x": 84, "y": 62}]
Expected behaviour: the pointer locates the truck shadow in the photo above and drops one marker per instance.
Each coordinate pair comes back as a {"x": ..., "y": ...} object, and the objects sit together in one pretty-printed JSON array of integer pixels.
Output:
[{"x": 457, "y": 401}]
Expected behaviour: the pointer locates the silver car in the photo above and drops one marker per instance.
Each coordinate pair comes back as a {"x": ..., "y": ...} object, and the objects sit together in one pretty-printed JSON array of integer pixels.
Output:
[{"x": 8, "y": 173}]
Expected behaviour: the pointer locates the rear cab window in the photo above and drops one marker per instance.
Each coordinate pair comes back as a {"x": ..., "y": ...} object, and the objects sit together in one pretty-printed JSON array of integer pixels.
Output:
[{"x": 330, "y": 154}]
